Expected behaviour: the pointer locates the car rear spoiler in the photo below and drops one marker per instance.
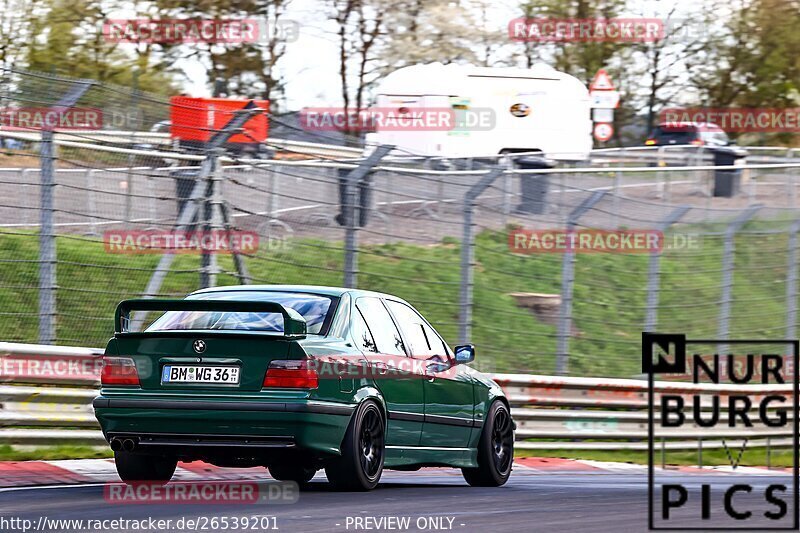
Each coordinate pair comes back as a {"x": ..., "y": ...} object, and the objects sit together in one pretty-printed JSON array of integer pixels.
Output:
[{"x": 294, "y": 325}]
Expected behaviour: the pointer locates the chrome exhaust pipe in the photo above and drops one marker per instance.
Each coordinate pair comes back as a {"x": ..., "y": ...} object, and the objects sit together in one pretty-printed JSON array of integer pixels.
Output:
[
  {"x": 116, "y": 444},
  {"x": 128, "y": 445}
]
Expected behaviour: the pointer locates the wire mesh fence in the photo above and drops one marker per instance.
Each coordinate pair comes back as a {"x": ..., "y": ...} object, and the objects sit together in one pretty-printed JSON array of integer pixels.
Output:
[{"x": 88, "y": 216}]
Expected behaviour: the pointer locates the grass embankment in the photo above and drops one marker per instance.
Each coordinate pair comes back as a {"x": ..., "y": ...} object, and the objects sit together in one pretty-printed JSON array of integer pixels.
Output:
[
  {"x": 608, "y": 307},
  {"x": 751, "y": 457},
  {"x": 52, "y": 453}
]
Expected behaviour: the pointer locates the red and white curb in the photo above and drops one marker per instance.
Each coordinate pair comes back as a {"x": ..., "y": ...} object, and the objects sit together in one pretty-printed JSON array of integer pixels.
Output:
[
  {"x": 550, "y": 465},
  {"x": 81, "y": 471}
]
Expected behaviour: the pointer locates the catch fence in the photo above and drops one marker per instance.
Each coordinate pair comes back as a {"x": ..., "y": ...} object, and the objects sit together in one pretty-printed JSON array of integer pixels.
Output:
[{"x": 84, "y": 216}]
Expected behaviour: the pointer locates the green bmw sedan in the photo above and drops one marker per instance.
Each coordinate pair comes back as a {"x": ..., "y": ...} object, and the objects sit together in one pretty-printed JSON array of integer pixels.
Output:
[{"x": 297, "y": 379}]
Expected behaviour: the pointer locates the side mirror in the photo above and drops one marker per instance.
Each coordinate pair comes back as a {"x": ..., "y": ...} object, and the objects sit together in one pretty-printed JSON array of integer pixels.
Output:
[{"x": 465, "y": 354}]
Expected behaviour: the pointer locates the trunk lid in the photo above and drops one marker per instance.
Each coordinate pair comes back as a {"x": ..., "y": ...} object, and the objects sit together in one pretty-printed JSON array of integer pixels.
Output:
[
  {"x": 250, "y": 354},
  {"x": 187, "y": 359}
]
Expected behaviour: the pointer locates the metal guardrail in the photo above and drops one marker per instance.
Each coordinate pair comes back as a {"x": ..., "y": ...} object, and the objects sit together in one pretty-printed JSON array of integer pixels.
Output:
[
  {"x": 611, "y": 414},
  {"x": 160, "y": 139},
  {"x": 46, "y": 394},
  {"x": 679, "y": 155}
]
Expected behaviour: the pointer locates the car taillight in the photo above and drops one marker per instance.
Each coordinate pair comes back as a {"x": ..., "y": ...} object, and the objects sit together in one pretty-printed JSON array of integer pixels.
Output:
[
  {"x": 291, "y": 374},
  {"x": 650, "y": 142},
  {"x": 119, "y": 371},
  {"x": 697, "y": 142}
]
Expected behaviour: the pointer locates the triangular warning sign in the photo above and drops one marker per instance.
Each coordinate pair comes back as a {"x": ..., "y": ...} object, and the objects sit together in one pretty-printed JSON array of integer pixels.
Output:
[{"x": 601, "y": 81}]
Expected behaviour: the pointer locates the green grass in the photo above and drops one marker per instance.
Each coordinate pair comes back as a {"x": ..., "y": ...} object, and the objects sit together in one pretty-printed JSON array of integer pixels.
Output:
[
  {"x": 750, "y": 457},
  {"x": 608, "y": 306},
  {"x": 52, "y": 453}
]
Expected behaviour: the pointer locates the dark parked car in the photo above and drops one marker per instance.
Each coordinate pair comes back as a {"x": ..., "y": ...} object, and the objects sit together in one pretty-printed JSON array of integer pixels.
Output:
[
  {"x": 683, "y": 133},
  {"x": 297, "y": 379}
]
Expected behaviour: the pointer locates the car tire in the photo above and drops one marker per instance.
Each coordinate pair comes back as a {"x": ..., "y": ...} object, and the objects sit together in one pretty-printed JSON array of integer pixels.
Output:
[
  {"x": 361, "y": 464},
  {"x": 495, "y": 449},
  {"x": 133, "y": 467},
  {"x": 297, "y": 473}
]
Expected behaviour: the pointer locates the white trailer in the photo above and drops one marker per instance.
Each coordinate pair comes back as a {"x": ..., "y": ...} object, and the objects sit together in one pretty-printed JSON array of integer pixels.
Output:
[{"x": 537, "y": 109}]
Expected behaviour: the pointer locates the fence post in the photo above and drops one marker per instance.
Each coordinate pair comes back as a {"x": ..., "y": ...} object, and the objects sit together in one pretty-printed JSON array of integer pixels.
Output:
[
  {"x": 351, "y": 183},
  {"x": 204, "y": 217},
  {"x": 791, "y": 281},
  {"x": 468, "y": 254},
  {"x": 272, "y": 208},
  {"x": 131, "y": 157},
  {"x": 654, "y": 270},
  {"x": 47, "y": 238},
  {"x": 47, "y": 245},
  {"x": 728, "y": 249},
  {"x": 508, "y": 163},
  {"x": 661, "y": 186},
  {"x": 215, "y": 222},
  {"x": 567, "y": 281},
  {"x": 30, "y": 214},
  {"x": 92, "y": 201},
  {"x": 617, "y": 182},
  {"x": 151, "y": 200}
]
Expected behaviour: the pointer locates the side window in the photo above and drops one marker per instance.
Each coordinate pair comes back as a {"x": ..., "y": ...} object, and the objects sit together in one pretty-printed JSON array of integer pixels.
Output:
[
  {"x": 384, "y": 332},
  {"x": 362, "y": 334},
  {"x": 422, "y": 338}
]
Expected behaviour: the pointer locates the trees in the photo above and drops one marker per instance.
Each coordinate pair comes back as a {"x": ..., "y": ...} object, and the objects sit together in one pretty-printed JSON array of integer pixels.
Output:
[
  {"x": 242, "y": 68},
  {"x": 375, "y": 37},
  {"x": 17, "y": 29},
  {"x": 425, "y": 31},
  {"x": 713, "y": 53},
  {"x": 66, "y": 36},
  {"x": 755, "y": 59}
]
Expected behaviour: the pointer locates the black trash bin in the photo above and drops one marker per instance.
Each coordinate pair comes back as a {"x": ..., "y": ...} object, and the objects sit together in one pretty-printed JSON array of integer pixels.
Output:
[
  {"x": 727, "y": 182},
  {"x": 534, "y": 186}
]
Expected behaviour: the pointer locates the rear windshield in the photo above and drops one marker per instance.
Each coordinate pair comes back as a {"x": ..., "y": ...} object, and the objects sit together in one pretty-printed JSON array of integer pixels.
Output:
[{"x": 313, "y": 307}]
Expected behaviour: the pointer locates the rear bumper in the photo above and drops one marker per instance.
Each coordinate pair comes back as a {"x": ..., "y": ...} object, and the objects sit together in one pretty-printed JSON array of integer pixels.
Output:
[
  {"x": 315, "y": 426},
  {"x": 328, "y": 408},
  {"x": 180, "y": 442}
]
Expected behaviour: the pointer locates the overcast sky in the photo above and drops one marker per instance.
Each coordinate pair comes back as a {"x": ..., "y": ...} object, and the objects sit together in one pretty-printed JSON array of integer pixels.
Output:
[{"x": 310, "y": 66}]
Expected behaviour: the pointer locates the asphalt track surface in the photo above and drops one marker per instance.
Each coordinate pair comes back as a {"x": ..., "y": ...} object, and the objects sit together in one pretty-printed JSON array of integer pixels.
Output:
[{"x": 562, "y": 502}]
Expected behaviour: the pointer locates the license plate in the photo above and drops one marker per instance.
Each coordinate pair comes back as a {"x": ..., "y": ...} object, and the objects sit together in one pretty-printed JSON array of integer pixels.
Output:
[{"x": 222, "y": 375}]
